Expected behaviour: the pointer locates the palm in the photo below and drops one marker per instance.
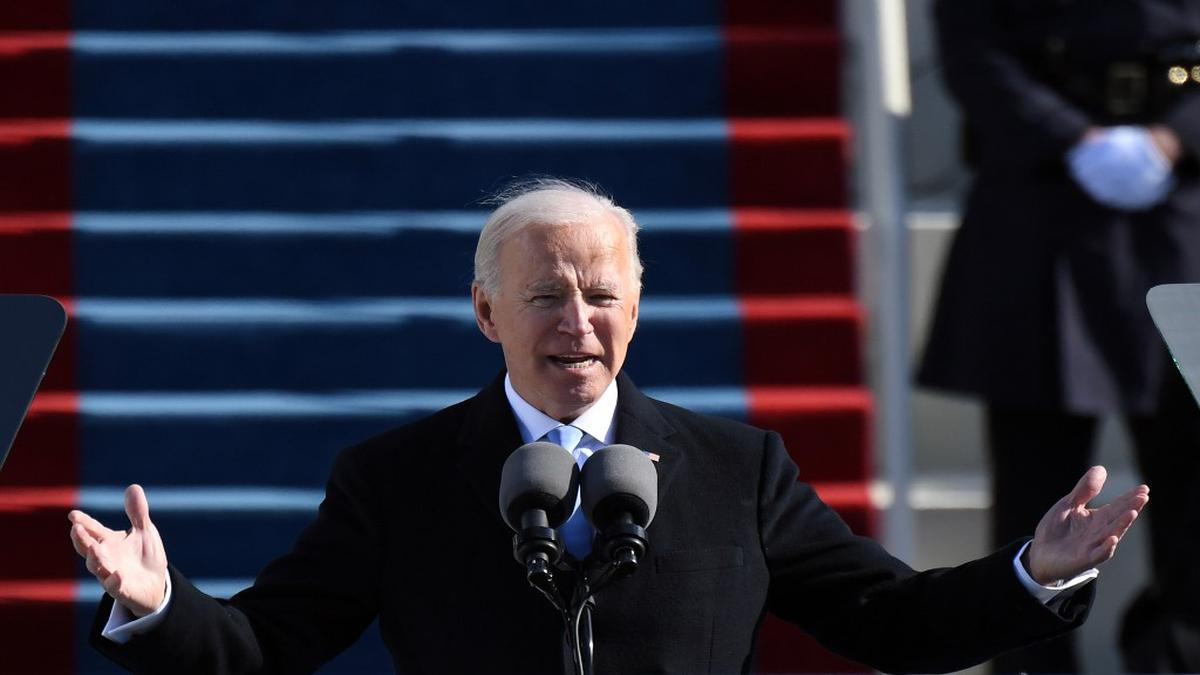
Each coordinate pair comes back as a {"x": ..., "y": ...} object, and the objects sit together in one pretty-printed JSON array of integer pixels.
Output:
[
  {"x": 130, "y": 564},
  {"x": 1071, "y": 538}
]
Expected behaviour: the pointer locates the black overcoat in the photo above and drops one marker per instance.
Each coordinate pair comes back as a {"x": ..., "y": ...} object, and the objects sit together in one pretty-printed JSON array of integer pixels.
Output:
[
  {"x": 1042, "y": 302},
  {"x": 410, "y": 531}
]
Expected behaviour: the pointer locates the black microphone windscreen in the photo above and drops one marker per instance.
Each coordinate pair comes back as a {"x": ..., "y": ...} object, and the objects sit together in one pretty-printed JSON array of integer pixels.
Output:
[
  {"x": 616, "y": 479},
  {"x": 538, "y": 476}
]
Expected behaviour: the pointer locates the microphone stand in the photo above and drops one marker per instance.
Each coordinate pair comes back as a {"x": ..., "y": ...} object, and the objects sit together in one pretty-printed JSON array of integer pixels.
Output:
[
  {"x": 539, "y": 548},
  {"x": 579, "y": 627},
  {"x": 624, "y": 544}
]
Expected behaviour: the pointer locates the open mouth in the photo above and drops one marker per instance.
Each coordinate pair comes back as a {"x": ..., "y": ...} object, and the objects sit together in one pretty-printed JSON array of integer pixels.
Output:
[{"x": 574, "y": 361}]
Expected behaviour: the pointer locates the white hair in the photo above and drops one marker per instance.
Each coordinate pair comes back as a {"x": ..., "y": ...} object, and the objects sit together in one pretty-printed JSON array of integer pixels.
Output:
[{"x": 545, "y": 201}]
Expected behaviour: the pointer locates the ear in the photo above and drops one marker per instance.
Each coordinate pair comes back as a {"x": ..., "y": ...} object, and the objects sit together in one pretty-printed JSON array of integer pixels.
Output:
[{"x": 483, "y": 313}]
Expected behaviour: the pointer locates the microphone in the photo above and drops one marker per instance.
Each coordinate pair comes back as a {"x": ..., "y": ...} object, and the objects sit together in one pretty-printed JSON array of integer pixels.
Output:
[
  {"x": 538, "y": 488},
  {"x": 620, "y": 496}
]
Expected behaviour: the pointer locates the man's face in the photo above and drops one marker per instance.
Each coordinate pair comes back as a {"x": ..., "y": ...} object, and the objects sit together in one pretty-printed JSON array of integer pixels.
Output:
[{"x": 565, "y": 312}]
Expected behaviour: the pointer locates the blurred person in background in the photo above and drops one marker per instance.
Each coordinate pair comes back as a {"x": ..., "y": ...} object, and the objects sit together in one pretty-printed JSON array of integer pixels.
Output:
[{"x": 1083, "y": 132}]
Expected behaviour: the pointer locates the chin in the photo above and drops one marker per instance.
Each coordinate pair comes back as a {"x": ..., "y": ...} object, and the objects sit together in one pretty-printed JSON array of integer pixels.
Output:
[{"x": 580, "y": 397}]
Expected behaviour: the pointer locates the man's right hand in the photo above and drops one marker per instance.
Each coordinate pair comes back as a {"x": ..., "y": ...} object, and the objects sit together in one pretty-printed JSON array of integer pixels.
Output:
[{"x": 130, "y": 564}]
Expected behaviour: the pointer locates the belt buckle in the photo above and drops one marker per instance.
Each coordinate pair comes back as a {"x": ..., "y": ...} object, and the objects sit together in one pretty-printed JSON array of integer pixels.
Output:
[{"x": 1125, "y": 90}]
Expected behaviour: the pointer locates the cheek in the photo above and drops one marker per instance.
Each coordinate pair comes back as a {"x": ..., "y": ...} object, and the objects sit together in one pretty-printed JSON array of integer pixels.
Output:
[{"x": 616, "y": 332}]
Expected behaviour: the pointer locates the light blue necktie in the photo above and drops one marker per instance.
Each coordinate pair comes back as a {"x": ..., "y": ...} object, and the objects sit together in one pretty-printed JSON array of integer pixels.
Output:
[{"x": 577, "y": 531}]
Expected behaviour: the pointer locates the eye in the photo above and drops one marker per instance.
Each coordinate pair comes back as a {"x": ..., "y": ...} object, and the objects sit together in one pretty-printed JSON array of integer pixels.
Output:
[
  {"x": 543, "y": 300},
  {"x": 603, "y": 299}
]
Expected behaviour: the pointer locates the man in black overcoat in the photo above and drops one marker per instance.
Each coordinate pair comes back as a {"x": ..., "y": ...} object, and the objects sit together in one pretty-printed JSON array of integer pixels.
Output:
[
  {"x": 409, "y": 530},
  {"x": 1083, "y": 132}
]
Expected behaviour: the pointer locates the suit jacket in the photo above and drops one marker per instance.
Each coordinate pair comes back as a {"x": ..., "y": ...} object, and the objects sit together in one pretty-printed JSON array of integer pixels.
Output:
[
  {"x": 410, "y": 531},
  {"x": 1042, "y": 300}
]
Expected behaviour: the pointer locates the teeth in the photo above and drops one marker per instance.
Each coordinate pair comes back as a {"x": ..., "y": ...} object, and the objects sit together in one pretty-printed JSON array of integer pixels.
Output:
[{"x": 574, "y": 360}]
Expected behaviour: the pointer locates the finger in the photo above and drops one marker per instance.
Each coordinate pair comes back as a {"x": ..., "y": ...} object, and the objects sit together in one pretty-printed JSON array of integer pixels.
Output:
[
  {"x": 137, "y": 507},
  {"x": 101, "y": 560},
  {"x": 112, "y": 585},
  {"x": 1122, "y": 524},
  {"x": 1088, "y": 486},
  {"x": 94, "y": 568},
  {"x": 94, "y": 527},
  {"x": 80, "y": 539},
  {"x": 1116, "y": 524},
  {"x": 1135, "y": 499},
  {"x": 1103, "y": 552}
]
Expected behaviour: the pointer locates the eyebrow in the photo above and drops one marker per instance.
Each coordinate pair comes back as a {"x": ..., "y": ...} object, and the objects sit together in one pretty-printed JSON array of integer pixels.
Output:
[
  {"x": 543, "y": 286},
  {"x": 551, "y": 286}
]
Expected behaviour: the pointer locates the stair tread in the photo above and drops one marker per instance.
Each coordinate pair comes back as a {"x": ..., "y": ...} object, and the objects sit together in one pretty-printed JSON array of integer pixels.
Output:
[
  {"x": 383, "y": 131},
  {"x": 385, "y": 165},
  {"x": 175, "y": 499},
  {"x": 360, "y": 223},
  {"x": 58, "y": 402}
]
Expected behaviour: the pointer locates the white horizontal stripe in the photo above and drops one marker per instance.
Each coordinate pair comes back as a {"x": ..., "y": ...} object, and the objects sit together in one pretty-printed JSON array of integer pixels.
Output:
[
  {"x": 196, "y": 499},
  {"x": 348, "y": 223},
  {"x": 223, "y": 588},
  {"x": 684, "y": 219},
  {"x": 350, "y": 312},
  {"x": 710, "y": 400},
  {"x": 615, "y": 41},
  {"x": 354, "y": 223},
  {"x": 234, "y": 132},
  {"x": 689, "y": 308},
  {"x": 381, "y": 403},
  {"x": 89, "y": 590},
  {"x": 372, "y": 311},
  {"x": 936, "y": 221},
  {"x": 937, "y": 493},
  {"x": 242, "y": 404}
]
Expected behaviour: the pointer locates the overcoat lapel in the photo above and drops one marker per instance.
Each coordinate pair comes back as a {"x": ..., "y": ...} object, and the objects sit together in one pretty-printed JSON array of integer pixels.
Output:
[
  {"x": 488, "y": 436},
  {"x": 641, "y": 425}
]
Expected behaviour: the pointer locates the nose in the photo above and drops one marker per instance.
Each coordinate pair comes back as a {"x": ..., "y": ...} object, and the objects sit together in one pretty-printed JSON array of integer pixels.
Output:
[{"x": 576, "y": 317}]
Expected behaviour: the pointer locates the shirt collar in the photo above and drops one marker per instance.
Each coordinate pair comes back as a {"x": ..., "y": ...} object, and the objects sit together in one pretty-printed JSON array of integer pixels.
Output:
[{"x": 596, "y": 421}]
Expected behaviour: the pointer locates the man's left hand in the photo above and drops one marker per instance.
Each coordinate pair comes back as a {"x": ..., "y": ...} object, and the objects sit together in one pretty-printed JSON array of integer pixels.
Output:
[{"x": 1071, "y": 538}]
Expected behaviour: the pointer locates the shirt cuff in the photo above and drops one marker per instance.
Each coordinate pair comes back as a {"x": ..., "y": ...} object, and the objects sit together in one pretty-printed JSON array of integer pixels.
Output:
[
  {"x": 122, "y": 625},
  {"x": 1045, "y": 594}
]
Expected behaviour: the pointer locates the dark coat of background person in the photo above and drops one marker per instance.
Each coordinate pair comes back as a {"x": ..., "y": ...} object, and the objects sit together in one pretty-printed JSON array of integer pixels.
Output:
[
  {"x": 1042, "y": 311},
  {"x": 1043, "y": 296},
  {"x": 410, "y": 531}
]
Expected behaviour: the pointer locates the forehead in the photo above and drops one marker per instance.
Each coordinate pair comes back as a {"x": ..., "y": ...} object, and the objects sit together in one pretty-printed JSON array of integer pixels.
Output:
[{"x": 594, "y": 242}]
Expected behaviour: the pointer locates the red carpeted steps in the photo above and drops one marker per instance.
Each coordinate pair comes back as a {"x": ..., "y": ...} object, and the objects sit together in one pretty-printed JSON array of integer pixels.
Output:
[
  {"x": 37, "y": 609},
  {"x": 767, "y": 168}
]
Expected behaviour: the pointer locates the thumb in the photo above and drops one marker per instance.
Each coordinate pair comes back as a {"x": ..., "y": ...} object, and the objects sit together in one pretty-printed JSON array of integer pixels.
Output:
[
  {"x": 1088, "y": 486},
  {"x": 136, "y": 507}
]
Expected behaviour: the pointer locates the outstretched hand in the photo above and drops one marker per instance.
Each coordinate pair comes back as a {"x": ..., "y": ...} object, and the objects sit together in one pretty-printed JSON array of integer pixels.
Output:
[
  {"x": 1071, "y": 538},
  {"x": 130, "y": 564}
]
